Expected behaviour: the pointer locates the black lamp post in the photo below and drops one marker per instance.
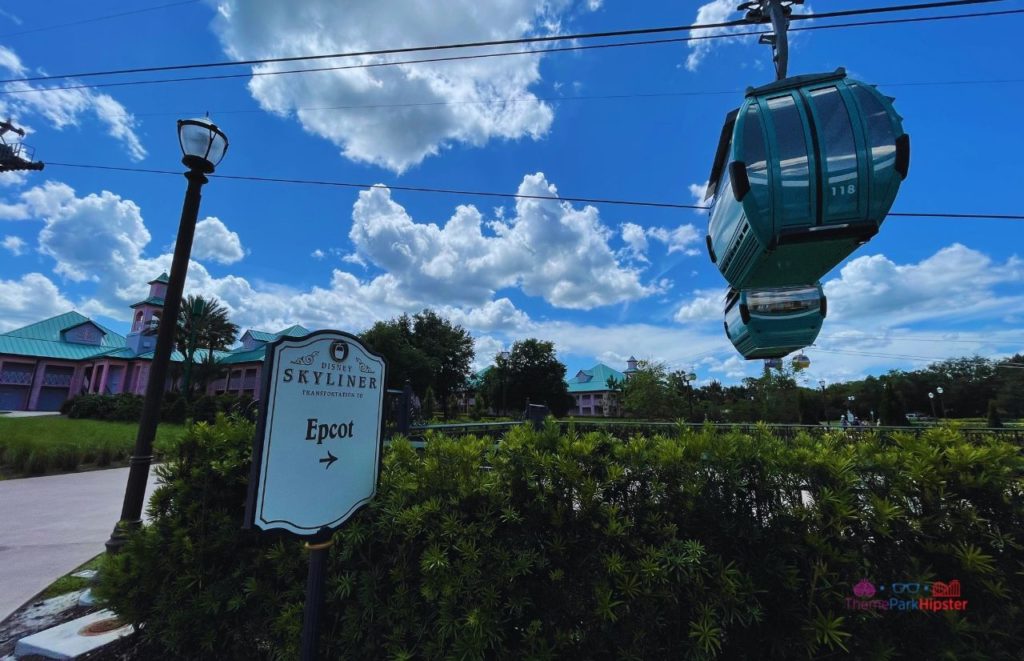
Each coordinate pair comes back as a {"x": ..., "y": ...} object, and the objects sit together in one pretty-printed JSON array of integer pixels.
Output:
[
  {"x": 824, "y": 406},
  {"x": 942, "y": 402},
  {"x": 203, "y": 145},
  {"x": 931, "y": 400}
]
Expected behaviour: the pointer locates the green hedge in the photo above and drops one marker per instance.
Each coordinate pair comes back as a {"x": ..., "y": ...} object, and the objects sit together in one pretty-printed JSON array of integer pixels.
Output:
[
  {"x": 174, "y": 408},
  {"x": 701, "y": 545}
]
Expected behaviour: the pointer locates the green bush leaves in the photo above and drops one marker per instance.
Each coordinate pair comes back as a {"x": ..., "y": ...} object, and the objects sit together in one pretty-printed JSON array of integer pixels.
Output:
[{"x": 705, "y": 544}]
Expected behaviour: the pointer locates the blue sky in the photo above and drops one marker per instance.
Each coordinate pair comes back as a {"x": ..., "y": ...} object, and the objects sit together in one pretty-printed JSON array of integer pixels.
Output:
[{"x": 602, "y": 281}]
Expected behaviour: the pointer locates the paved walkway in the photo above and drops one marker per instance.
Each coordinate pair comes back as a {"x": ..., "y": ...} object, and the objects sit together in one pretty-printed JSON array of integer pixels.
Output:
[{"x": 50, "y": 525}]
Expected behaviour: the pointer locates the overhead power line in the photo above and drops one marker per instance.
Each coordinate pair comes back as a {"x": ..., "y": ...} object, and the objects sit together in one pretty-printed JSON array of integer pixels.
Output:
[
  {"x": 97, "y": 19},
  {"x": 553, "y": 99},
  {"x": 497, "y": 42},
  {"x": 477, "y": 193},
  {"x": 480, "y": 56},
  {"x": 916, "y": 337}
]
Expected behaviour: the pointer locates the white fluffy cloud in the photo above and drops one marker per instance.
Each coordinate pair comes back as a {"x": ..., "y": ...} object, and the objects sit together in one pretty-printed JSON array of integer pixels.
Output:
[
  {"x": 15, "y": 245},
  {"x": 706, "y": 305},
  {"x": 395, "y": 116},
  {"x": 499, "y": 315},
  {"x": 635, "y": 237},
  {"x": 549, "y": 249},
  {"x": 98, "y": 237},
  {"x": 29, "y": 299},
  {"x": 957, "y": 281},
  {"x": 214, "y": 241},
  {"x": 102, "y": 239},
  {"x": 63, "y": 108},
  {"x": 716, "y": 11},
  {"x": 678, "y": 240},
  {"x": 698, "y": 192}
]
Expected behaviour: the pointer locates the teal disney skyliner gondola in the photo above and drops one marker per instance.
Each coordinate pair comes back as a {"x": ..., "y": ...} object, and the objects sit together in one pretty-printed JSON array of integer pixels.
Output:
[
  {"x": 805, "y": 172},
  {"x": 770, "y": 323}
]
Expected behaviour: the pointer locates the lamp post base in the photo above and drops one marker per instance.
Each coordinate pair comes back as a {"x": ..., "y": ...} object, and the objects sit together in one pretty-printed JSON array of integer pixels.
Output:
[{"x": 119, "y": 537}]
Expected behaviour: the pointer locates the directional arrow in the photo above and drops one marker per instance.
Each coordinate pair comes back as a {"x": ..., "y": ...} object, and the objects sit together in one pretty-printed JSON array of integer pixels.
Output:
[{"x": 329, "y": 459}]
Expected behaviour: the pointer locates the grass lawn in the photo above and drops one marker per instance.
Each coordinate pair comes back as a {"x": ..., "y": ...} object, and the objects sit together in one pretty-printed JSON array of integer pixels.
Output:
[
  {"x": 69, "y": 583},
  {"x": 55, "y": 444}
]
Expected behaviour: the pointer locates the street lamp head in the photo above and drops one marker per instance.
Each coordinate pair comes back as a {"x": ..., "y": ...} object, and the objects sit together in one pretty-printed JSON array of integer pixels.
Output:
[
  {"x": 203, "y": 145},
  {"x": 939, "y": 390},
  {"x": 822, "y": 383},
  {"x": 931, "y": 395},
  {"x": 691, "y": 376}
]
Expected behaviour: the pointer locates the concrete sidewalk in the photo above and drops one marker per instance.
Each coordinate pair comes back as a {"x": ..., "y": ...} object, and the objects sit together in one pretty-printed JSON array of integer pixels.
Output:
[{"x": 50, "y": 525}]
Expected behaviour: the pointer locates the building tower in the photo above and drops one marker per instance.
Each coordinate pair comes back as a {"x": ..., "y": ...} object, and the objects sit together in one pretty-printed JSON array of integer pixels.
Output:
[{"x": 146, "y": 318}]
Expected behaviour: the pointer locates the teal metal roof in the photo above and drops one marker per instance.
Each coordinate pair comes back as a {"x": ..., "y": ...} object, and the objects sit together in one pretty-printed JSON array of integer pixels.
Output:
[
  {"x": 123, "y": 352},
  {"x": 477, "y": 379},
  {"x": 251, "y": 356},
  {"x": 163, "y": 278},
  {"x": 594, "y": 379},
  {"x": 151, "y": 300},
  {"x": 292, "y": 331},
  {"x": 43, "y": 340},
  {"x": 50, "y": 330},
  {"x": 20, "y": 346},
  {"x": 261, "y": 336}
]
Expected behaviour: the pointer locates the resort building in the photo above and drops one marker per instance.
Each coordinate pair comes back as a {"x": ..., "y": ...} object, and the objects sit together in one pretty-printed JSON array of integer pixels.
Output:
[
  {"x": 594, "y": 392},
  {"x": 45, "y": 363}
]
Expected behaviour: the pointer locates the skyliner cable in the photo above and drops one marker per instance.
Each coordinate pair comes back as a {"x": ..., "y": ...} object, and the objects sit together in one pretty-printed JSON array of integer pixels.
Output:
[
  {"x": 455, "y": 58},
  {"x": 552, "y": 99},
  {"x": 477, "y": 193},
  {"x": 505, "y": 42}
]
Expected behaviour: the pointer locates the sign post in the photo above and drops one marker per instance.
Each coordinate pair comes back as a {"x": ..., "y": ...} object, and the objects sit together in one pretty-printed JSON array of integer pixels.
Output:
[{"x": 317, "y": 450}]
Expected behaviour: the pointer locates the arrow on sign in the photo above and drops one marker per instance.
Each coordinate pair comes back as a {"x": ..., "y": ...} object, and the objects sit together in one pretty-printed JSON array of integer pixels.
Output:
[{"x": 329, "y": 459}]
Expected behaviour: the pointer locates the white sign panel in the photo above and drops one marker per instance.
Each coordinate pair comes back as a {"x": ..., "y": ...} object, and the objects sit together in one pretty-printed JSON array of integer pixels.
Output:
[{"x": 318, "y": 446}]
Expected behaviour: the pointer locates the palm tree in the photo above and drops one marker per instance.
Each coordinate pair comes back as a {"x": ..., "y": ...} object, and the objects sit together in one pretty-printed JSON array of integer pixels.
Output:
[{"x": 203, "y": 324}]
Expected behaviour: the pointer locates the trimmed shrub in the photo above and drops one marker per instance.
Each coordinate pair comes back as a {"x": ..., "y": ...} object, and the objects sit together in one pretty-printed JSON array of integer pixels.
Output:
[
  {"x": 127, "y": 407},
  {"x": 204, "y": 409},
  {"x": 702, "y": 544},
  {"x": 173, "y": 408}
]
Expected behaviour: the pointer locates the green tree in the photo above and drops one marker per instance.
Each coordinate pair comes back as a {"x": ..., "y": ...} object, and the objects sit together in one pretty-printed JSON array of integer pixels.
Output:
[
  {"x": 479, "y": 406},
  {"x": 891, "y": 410},
  {"x": 203, "y": 324},
  {"x": 394, "y": 340},
  {"x": 531, "y": 371},
  {"x": 1010, "y": 389},
  {"x": 449, "y": 349},
  {"x": 648, "y": 394},
  {"x": 994, "y": 421},
  {"x": 427, "y": 349}
]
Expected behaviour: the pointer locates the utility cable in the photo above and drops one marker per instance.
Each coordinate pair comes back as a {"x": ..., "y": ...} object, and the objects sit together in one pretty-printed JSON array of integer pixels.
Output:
[
  {"x": 534, "y": 51},
  {"x": 477, "y": 193},
  {"x": 498, "y": 42},
  {"x": 552, "y": 99},
  {"x": 910, "y": 337},
  {"x": 97, "y": 19}
]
